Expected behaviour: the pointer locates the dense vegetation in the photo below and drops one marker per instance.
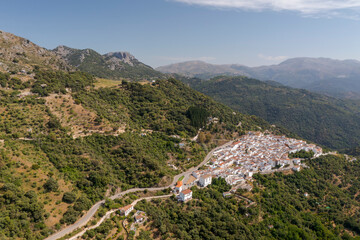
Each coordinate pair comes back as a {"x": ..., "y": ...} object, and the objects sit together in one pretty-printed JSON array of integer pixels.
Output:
[
  {"x": 21, "y": 212},
  {"x": 352, "y": 151},
  {"x": 302, "y": 154},
  {"x": 162, "y": 106},
  {"x": 282, "y": 211},
  {"x": 47, "y": 82},
  {"x": 328, "y": 121}
]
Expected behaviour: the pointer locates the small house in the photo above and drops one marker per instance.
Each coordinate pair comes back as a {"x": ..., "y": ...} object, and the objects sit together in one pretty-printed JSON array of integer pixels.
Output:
[
  {"x": 185, "y": 195},
  {"x": 296, "y": 168},
  {"x": 179, "y": 186},
  {"x": 205, "y": 180},
  {"x": 126, "y": 210},
  {"x": 226, "y": 194},
  {"x": 196, "y": 174}
]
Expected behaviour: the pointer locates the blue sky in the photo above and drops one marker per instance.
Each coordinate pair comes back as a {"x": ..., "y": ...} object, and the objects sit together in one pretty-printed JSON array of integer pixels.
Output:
[{"x": 159, "y": 32}]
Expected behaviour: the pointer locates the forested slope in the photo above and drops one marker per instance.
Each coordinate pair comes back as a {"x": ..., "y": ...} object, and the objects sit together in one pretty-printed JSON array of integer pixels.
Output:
[
  {"x": 328, "y": 121},
  {"x": 130, "y": 136}
]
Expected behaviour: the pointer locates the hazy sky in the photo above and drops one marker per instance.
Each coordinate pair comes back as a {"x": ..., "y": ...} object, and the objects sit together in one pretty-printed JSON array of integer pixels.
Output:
[{"x": 159, "y": 32}]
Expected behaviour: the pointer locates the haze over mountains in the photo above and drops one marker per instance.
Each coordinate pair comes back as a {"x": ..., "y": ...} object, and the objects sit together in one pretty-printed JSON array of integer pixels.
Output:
[{"x": 338, "y": 78}]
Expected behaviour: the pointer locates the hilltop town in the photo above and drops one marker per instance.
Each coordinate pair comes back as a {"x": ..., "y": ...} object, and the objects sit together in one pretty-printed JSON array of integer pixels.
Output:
[{"x": 254, "y": 152}]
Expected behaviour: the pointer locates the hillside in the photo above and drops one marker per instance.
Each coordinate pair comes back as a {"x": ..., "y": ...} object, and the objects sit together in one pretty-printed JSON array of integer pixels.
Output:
[
  {"x": 65, "y": 144},
  {"x": 115, "y": 65},
  {"x": 328, "y": 121},
  {"x": 19, "y": 55},
  {"x": 68, "y": 140},
  {"x": 332, "y": 77}
]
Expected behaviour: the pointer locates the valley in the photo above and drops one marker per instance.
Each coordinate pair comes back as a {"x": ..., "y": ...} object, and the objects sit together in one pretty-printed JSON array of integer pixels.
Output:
[{"x": 331, "y": 122}]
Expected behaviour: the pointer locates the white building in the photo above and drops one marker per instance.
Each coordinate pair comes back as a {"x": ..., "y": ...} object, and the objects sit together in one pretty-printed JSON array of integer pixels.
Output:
[
  {"x": 265, "y": 168},
  {"x": 185, "y": 195},
  {"x": 205, "y": 180},
  {"x": 248, "y": 174},
  {"x": 297, "y": 161},
  {"x": 196, "y": 174},
  {"x": 179, "y": 186},
  {"x": 296, "y": 168},
  {"x": 126, "y": 210}
]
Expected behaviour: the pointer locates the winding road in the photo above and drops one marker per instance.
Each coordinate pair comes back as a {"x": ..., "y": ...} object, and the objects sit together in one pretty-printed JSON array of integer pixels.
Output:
[
  {"x": 89, "y": 214},
  {"x": 108, "y": 215}
]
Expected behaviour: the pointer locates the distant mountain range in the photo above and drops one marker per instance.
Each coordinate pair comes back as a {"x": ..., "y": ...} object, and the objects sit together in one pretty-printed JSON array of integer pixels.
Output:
[
  {"x": 19, "y": 54},
  {"x": 114, "y": 65},
  {"x": 332, "y": 77}
]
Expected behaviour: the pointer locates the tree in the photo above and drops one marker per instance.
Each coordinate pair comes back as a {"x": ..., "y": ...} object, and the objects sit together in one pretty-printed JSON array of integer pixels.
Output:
[
  {"x": 69, "y": 197},
  {"x": 201, "y": 137},
  {"x": 51, "y": 185}
]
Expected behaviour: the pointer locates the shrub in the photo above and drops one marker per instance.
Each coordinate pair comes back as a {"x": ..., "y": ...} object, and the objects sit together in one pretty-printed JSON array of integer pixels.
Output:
[
  {"x": 69, "y": 197},
  {"x": 51, "y": 185}
]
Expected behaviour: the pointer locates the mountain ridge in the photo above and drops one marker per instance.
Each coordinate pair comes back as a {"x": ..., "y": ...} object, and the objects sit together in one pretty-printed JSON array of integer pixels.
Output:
[
  {"x": 338, "y": 78},
  {"x": 20, "y": 54},
  {"x": 310, "y": 115},
  {"x": 112, "y": 65}
]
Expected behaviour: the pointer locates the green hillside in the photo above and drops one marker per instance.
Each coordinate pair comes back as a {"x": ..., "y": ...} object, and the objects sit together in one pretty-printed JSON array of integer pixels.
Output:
[
  {"x": 328, "y": 121},
  {"x": 65, "y": 143},
  {"x": 112, "y": 66}
]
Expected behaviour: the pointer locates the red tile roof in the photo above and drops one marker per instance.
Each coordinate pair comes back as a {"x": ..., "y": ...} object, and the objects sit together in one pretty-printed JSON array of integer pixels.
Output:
[
  {"x": 179, "y": 184},
  {"x": 186, "y": 191},
  {"x": 126, "y": 207}
]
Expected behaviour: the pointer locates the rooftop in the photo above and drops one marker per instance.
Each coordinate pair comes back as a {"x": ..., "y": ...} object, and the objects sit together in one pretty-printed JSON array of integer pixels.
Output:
[
  {"x": 186, "y": 191},
  {"x": 126, "y": 207},
  {"x": 179, "y": 184}
]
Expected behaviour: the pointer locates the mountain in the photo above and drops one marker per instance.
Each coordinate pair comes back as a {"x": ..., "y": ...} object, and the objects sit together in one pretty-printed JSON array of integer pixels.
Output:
[
  {"x": 200, "y": 69},
  {"x": 332, "y": 122},
  {"x": 19, "y": 54},
  {"x": 114, "y": 65},
  {"x": 66, "y": 143},
  {"x": 68, "y": 140},
  {"x": 333, "y": 77}
]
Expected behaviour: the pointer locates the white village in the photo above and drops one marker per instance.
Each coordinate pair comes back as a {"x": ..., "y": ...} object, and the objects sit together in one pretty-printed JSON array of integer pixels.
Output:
[{"x": 255, "y": 152}]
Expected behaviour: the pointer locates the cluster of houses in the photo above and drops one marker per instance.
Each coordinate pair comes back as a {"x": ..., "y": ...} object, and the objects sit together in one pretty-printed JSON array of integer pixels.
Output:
[
  {"x": 185, "y": 193},
  {"x": 252, "y": 153}
]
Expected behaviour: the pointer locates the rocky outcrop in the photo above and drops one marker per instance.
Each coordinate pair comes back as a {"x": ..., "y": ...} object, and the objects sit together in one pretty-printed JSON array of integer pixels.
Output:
[{"x": 18, "y": 53}]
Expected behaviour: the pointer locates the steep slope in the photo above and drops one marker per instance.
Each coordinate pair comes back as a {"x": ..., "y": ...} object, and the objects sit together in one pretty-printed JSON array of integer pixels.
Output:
[
  {"x": 333, "y": 77},
  {"x": 21, "y": 55},
  {"x": 332, "y": 122},
  {"x": 115, "y": 65}
]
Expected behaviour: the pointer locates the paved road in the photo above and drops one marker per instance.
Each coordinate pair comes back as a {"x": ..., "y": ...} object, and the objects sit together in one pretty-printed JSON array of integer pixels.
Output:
[
  {"x": 89, "y": 214},
  {"x": 108, "y": 215}
]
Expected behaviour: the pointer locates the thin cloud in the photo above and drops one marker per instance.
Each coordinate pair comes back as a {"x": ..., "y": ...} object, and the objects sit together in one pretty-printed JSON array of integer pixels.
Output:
[
  {"x": 272, "y": 58},
  {"x": 305, "y": 7}
]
